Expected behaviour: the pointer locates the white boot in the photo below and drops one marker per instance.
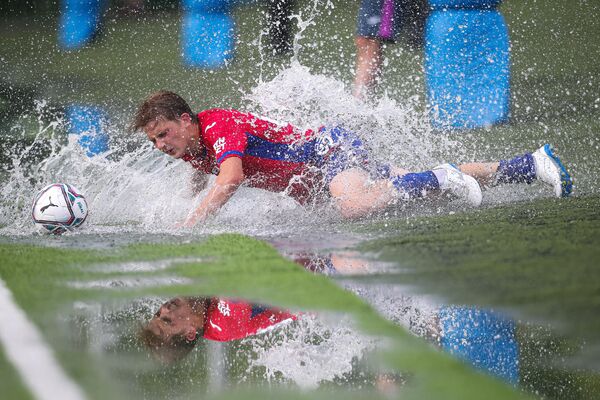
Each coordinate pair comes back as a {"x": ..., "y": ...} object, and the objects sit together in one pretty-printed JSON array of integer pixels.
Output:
[
  {"x": 463, "y": 186},
  {"x": 549, "y": 169}
]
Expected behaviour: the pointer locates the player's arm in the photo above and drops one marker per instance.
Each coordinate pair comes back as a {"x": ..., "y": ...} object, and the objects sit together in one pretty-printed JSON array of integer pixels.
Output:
[{"x": 231, "y": 176}]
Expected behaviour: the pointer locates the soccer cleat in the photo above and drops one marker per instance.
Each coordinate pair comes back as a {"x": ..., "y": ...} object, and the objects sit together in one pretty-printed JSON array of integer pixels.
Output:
[
  {"x": 549, "y": 169},
  {"x": 461, "y": 185}
]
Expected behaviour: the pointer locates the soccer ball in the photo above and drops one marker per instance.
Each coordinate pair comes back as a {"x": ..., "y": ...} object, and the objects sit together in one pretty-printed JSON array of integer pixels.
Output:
[{"x": 59, "y": 207}]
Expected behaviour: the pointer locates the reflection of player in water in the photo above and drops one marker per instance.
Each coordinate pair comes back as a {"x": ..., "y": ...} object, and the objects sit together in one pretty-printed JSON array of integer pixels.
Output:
[
  {"x": 176, "y": 327},
  {"x": 482, "y": 338},
  {"x": 381, "y": 22}
]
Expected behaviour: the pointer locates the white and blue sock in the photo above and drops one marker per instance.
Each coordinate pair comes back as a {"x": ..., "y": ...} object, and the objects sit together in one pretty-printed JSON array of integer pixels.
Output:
[
  {"x": 416, "y": 185},
  {"x": 520, "y": 169}
]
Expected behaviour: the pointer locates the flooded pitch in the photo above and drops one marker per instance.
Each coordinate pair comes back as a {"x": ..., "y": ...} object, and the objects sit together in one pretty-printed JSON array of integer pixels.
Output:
[{"x": 427, "y": 299}]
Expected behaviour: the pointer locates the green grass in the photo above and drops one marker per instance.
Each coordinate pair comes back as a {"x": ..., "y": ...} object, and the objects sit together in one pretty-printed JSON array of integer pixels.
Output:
[
  {"x": 535, "y": 258},
  {"x": 514, "y": 253},
  {"x": 236, "y": 266}
]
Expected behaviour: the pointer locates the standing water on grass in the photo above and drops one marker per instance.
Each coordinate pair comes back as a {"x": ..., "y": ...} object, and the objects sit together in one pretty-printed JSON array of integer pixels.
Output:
[{"x": 137, "y": 195}]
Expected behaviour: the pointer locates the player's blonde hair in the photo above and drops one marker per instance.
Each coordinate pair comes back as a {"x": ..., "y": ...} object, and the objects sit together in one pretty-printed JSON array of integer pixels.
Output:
[{"x": 161, "y": 104}]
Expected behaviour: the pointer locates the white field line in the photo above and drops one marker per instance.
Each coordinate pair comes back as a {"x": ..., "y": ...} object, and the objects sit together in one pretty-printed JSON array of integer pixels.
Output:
[{"x": 33, "y": 359}]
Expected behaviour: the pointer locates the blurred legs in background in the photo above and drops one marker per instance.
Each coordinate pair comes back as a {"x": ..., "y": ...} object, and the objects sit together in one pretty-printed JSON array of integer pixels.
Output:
[{"x": 280, "y": 25}]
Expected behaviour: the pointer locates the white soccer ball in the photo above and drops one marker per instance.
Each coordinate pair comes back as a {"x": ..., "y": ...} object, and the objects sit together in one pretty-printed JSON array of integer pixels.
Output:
[{"x": 59, "y": 207}]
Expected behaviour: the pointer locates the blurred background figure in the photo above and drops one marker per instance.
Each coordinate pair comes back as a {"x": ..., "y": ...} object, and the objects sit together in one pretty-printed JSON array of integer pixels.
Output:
[
  {"x": 380, "y": 22},
  {"x": 79, "y": 22},
  {"x": 89, "y": 124},
  {"x": 207, "y": 31},
  {"x": 280, "y": 25},
  {"x": 467, "y": 60}
]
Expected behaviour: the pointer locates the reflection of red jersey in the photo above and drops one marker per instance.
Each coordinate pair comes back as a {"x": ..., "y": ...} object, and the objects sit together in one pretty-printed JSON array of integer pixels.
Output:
[
  {"x": 231, "y": 320},
  {"x": 273, "y": 155}
]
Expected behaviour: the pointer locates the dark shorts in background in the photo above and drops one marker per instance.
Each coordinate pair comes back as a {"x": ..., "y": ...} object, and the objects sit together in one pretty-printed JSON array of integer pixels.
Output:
[{"x": 380, "y": 19}]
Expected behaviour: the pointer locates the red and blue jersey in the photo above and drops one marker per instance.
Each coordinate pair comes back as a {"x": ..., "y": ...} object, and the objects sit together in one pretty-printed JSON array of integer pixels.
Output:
[
  {"x": 278, "y": 157},
  {"x": 232, "y": 320},
  {"x": 274, "y": 156}
]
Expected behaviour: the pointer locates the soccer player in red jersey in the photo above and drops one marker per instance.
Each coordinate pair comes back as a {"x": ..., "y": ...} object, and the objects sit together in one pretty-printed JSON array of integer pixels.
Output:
[
  {"x": 316, "y": 164},
  {"x": 176, "y": 327}
]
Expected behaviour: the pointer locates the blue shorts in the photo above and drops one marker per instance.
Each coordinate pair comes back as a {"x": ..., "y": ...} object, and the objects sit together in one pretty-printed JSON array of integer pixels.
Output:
[
  {"x": 340, "y": 149},
  {"x": 379, "y": 19}
]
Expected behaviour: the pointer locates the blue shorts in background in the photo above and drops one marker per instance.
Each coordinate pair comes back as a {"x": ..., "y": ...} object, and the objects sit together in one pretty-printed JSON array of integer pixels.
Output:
[{"x": 380, "y": 19}]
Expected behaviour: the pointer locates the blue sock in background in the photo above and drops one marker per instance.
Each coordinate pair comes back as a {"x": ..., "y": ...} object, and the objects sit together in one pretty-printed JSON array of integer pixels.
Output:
[
  {"x": 520, "y": 169},
  {"x": 415, "y": 185}
]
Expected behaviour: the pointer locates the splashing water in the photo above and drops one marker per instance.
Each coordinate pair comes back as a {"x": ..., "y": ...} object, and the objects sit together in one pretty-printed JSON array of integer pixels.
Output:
[
  {"x": 395, "y": 132},
  {"x": 117, "y": 189},
  {"x": 133, "y": 188}
]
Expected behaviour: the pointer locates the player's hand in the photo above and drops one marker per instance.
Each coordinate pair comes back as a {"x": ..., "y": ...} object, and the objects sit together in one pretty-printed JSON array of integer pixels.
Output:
[
  {"x": 180, "y": 224},
  {"x": 186, "y": 224},
  {"x": 189, "y": 222}
]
